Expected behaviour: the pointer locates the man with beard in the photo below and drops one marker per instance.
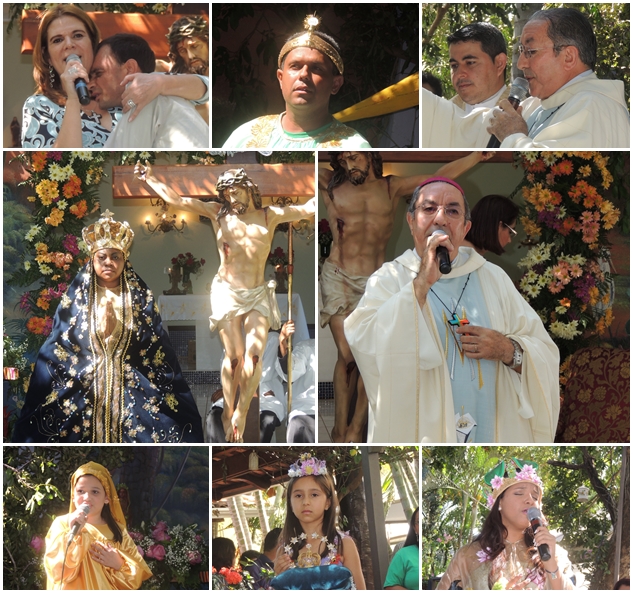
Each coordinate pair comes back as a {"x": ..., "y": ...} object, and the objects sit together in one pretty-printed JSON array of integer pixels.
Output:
[
  {"x": 243, "y": 305},
  {"x": 189, "y": 50},
  {"x": 361, "y": 206}
]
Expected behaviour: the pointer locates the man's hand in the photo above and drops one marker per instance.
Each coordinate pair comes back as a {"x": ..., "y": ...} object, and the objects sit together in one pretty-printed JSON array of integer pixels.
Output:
[
  {"x": 429, "y": 272},
  {"x": 483, "y": 343},
  {"x": 142, "y": 89},
  {"x": 143, "y": 172},
  {"x": 287, "y": 329},
  {"x": 506, "y": 121}
]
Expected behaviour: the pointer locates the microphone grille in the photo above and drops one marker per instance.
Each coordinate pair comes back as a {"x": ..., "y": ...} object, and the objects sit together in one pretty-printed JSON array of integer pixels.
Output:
[
  {"x": 85, "y": 508},
  {"x": 439, "y": 232},
  {"x": 520, "y": 88},
  {"x": 533, "y": 513}
]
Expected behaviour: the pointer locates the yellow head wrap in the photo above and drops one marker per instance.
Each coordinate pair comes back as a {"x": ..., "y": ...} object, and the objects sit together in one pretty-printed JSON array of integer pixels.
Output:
[
  {"x": 103, "y": 475},
  {"x": 309, "y": 39}
]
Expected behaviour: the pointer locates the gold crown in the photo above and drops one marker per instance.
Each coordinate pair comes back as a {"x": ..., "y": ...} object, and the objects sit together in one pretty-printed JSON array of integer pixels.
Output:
[
  {"x": 308, "y": 39},
  {"x": 107, "y": 233}
]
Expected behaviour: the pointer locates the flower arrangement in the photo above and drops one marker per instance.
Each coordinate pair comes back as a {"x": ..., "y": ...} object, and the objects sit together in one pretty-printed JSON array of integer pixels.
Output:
[
  {"x": 278, "y": 257},
  {"x": 173, "y": 554},
  {"x": 566, "y": 218},
  {"x": 64, "y": 188},
  {"x": 188, "y": 263},
  {"x": 230, "y": 578}
]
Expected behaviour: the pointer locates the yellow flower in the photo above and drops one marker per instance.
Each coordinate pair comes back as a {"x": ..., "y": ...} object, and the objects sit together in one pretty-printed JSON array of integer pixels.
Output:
[
  {"x": 55, "y": 218},
  {"x": 47, "y": 190}
]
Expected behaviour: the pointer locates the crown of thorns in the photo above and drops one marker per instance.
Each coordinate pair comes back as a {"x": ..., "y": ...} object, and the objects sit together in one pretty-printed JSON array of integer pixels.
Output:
[
  {"x": 232, "y": 177},
  {"x": 186, "y": 27}
]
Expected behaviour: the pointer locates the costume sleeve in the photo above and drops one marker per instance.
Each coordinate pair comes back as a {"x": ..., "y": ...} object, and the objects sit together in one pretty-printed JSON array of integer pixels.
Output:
[
  {"x": 445, "y": 125},
  {"x": 565, "y": 569},
  {"x": 537, "y": 386},
  {"x": 381, "y": 332},
  {"x": 56, "y": 540},
  {"x": 397, "y": 571},
  {"x": 454, "y": 573},
  {"x": 587, "y": 120},
  {"x": 134, "y": 570}
]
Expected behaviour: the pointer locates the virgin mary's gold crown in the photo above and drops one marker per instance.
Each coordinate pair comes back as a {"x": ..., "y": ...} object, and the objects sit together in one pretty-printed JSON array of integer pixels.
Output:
[{"x": 107, "y": 233}]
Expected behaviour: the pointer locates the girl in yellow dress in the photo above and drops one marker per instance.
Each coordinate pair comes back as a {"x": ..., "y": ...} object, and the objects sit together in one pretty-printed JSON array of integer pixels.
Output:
[{"x": 101, "y": 555}]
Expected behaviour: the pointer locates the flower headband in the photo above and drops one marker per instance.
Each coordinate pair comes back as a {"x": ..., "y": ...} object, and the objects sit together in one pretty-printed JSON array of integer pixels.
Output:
[
  {"x": 307, "y": 465},
  {"x": 499, "y": 480},
  {"x": 309, "y": 39}
]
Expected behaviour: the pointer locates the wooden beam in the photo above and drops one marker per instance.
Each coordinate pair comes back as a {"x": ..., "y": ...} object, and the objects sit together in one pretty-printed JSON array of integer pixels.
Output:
[
  {"x": 429, "y": 156},
  {"x": 199, "y": 181},
  {"x": 151, "y": 27}
]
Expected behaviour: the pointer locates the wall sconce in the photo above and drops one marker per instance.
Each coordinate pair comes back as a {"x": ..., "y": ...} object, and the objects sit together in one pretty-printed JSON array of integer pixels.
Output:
[{"x": 166, "y": 222}]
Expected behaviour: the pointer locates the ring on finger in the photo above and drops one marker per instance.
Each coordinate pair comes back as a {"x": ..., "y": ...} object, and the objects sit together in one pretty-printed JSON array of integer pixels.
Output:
[{"x": 131, "y": 104}]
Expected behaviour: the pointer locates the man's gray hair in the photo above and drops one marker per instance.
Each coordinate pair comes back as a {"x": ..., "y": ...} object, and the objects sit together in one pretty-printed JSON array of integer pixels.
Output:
[
  {"x": 418, "y": 191},
  {"x": 568, "y": 26}
]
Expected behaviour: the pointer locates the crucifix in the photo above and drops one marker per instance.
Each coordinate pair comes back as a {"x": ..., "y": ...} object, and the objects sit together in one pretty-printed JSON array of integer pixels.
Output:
[{"x": 242, "y": 307}]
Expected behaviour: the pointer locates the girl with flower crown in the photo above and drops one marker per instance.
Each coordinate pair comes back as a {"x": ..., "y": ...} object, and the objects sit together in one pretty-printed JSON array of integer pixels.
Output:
[
  {"x": 505, "y": 553},
  {"x": 107, "y": 372},
  {"x": 99, "y": 554},
  {"x": 313, "y": 553}
]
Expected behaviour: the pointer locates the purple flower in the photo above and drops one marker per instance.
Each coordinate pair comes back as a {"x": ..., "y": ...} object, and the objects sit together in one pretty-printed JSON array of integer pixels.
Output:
[
  {"x": 70, "y": 244},
  {"x": 24, "y": 302},
  {"x": 482, "y": 556},
  {"x": 194, "y": 557},
  {"x": 157, "y": 552},
  {"x": 140, "y": 551},
  {"x": 490, "y": 501},
  {"x": 37, "y": 543},
  {"x": 55, "y": 155},
  {"x": 159, "y": 533},
  {"x": 497, "y": 481}
]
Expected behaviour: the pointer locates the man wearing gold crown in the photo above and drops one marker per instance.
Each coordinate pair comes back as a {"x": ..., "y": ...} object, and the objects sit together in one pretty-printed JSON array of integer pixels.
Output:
[
  {"x": 310, "y": 72},
  {"x": 243, "y": 306},
  {"x": 107, "y": 372}
]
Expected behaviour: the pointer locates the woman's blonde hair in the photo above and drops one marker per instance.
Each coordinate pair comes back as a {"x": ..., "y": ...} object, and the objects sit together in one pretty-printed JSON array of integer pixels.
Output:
[{"x": 41, "y": 59}]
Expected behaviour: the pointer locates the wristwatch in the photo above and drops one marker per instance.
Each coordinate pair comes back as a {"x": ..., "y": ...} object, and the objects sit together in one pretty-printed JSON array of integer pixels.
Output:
[{"x": 517, "y": 357}]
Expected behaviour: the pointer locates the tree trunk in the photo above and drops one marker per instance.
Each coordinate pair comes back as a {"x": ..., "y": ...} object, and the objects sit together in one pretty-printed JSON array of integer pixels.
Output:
[
  {"x": 261, "y": 513},
  {"x": 603, "y": 579},
  {"x": 139, "y": 475},
  {"x": 523, "y": 12},
  {"x": 401, "y": 487},
  {"x": 353, "y": 508}
]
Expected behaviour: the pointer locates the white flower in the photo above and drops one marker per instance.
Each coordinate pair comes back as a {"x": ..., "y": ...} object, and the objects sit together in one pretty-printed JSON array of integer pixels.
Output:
[
  {"x": 62, "y": 204},
  {"x": 55, "y": 172},
  {"x": 84, "y": 155},
  {"x": 530, "y": 156},
  {"x": 566, "y": 331},
  {"x": 33, "y": 231},
  {"x": 562, "y": 213},
  {"x": 68, "y": 171},
  {"x": 27, "y": 265},
  {"x": 144, "y": 155},
  {"x": 315, "y": 535},
  {"x": 159, "y": 8},
  {"x": 46, "y": 270},
  {"x": 549, "y": 158},
  {"x": 533, "y": 291},
  {"x": 83, "y": 246}
]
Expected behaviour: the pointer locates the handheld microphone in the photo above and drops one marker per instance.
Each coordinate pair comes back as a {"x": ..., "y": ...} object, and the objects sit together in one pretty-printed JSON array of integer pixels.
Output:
[
  {"x": 442, "y": 254},
  {"x": 534, "y": 517},
  {"x": 85, "y": 509},
  {"x": 80, "y": 84},
  {"x": 518, "y": 92}
]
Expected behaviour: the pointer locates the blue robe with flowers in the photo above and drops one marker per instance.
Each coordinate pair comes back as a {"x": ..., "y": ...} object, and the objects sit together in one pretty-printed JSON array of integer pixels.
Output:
[{"x": 129, "y": 388}]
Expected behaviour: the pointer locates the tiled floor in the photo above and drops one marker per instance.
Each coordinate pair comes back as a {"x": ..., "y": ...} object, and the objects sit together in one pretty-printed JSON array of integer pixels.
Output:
[{"x": 326, "y": 420}]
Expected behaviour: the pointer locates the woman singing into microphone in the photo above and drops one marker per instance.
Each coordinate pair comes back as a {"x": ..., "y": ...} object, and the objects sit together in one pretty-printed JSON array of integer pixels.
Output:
[
  {"x": 99, "y": 554},
  {"x": 505, "y": 553}
]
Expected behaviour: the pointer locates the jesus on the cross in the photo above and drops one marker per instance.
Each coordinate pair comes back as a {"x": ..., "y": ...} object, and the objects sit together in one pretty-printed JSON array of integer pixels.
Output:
[{"x": 243, "y": 305}]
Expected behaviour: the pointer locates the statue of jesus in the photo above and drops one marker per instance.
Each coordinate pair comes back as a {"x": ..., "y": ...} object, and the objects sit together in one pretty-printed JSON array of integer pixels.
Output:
[{"x": 243, "y": 305}]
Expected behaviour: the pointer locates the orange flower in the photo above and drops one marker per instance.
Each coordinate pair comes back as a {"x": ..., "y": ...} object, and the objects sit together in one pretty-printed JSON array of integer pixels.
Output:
[
  {"x": 38, "y": 161},
  {"x": 72, "y": 187},
  {"x": 80, "y": 209},
  {"x": 43, "y": 303},
  {"x": 565, "y": 303}
]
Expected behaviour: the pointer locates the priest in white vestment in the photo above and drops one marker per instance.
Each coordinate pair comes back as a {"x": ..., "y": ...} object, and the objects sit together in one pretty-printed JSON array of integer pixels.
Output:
[
  {"x": 569, "y": 106},
  {"x": 437, "y": 349}
]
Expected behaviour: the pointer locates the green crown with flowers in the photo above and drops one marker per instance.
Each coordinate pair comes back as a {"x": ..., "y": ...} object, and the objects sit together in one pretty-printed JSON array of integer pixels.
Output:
[
  {"x": 500, "y": 478},
  {"x": 307, "y": 465}
]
